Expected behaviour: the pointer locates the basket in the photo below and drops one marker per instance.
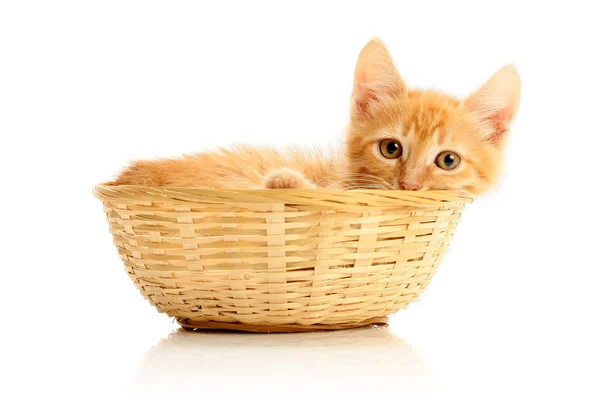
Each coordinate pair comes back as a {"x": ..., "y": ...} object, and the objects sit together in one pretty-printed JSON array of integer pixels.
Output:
[{"x": 280, "y": 260}]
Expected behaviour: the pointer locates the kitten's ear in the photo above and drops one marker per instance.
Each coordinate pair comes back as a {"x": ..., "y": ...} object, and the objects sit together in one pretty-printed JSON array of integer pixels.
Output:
[
  {"x": 375, "y": 78},
  {"x": 496, "y": 103}
]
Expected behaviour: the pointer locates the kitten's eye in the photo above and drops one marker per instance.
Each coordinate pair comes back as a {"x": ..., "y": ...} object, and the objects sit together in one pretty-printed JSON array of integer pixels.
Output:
[
  {"x": 447, "y": 160},
  {"x": 390, "y": 148}
]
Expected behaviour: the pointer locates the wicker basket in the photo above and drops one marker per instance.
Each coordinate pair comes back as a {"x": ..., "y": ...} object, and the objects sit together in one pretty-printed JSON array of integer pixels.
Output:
[{"x": 280, "y": 260}]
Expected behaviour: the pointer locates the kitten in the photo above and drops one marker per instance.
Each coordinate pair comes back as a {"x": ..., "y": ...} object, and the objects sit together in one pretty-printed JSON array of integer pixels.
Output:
[{"x": 397, "y": 139}]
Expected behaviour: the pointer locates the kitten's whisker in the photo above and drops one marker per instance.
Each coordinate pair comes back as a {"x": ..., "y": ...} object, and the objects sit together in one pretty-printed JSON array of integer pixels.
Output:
[
  {"x": 367, "y": 178},
  {"x": 362, "y": 178},
  {"x": 362, "y": 182}
]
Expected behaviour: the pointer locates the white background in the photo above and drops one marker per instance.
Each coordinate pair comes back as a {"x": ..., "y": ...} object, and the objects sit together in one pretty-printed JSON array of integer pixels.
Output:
[{"x": 87, "y": 86}]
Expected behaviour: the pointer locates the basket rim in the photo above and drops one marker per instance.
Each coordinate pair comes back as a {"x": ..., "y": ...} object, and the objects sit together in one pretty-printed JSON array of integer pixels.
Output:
[{"x": 332, "y": 198}]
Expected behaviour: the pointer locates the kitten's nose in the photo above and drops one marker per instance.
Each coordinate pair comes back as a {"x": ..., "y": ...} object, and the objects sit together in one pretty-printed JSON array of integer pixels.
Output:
[{"x": 410, "y": 186}]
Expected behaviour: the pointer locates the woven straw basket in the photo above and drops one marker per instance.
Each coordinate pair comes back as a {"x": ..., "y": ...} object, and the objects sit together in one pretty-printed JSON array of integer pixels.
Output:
[{"x": 280, "y": 260}]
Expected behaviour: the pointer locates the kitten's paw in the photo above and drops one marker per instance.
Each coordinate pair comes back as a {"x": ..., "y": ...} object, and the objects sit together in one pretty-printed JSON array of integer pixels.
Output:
[{"x": 285, "y": 178}]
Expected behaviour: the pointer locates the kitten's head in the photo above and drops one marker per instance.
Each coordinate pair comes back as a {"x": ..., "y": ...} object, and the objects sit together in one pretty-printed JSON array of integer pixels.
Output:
[{"x": 417, "y": 140}]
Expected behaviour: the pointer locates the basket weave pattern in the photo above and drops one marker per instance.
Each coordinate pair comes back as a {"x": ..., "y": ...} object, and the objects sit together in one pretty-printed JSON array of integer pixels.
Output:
[{"x": 280, "y": 260}]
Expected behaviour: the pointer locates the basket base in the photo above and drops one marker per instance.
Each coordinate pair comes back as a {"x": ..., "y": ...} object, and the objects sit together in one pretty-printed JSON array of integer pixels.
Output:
[{"x": 291, "y": 328}]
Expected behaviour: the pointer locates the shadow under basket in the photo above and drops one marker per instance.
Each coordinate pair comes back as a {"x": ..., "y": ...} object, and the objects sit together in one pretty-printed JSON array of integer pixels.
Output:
[{"x": 280, "y": 260}]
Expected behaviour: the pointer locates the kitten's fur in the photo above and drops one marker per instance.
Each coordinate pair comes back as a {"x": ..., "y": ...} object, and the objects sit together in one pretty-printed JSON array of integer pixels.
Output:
[{"x": 424, "y": 123}]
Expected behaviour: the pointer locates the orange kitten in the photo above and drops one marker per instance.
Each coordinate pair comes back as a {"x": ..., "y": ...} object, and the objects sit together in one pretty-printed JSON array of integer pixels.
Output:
[{"x": 397, "y": 139}]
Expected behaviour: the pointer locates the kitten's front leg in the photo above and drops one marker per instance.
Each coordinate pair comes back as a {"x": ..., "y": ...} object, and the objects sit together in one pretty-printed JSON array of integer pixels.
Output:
[{"x": 285, "y": 178}]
